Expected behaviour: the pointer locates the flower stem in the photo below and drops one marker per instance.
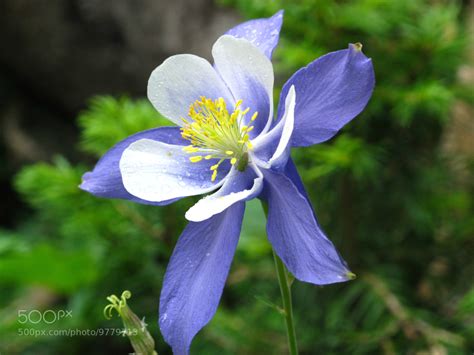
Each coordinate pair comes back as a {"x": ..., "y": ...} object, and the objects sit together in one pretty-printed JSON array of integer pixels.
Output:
[{"x": 285, "y": 289}]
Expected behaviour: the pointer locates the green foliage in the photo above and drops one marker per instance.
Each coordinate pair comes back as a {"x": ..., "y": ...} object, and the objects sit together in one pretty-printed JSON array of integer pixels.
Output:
[
  {"x": 466, "y": 306},
  {"x": 47, "y": 187},
  {"x": 49, "y": 267},
  {"x": 385, "y": 190},
  {"x": 109, "y": 120},
  {"x": 348, "y": 154}
]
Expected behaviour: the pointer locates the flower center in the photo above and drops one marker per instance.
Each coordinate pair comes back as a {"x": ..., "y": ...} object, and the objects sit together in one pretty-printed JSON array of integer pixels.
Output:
[{"x": 216, "y": 134}]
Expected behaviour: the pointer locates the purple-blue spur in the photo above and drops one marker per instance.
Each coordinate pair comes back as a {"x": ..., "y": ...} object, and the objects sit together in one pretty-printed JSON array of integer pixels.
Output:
[{"x": 229, "y": 144}]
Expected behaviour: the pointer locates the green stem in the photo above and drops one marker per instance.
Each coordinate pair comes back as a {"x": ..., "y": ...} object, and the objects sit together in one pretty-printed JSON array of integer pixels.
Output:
[{"x": 285, "y": 288}]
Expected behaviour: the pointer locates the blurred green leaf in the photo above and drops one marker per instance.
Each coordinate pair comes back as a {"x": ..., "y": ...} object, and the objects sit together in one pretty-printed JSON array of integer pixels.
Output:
[
  {"x": 43, "y": 265},
  {"x": 109, "y": 120}
]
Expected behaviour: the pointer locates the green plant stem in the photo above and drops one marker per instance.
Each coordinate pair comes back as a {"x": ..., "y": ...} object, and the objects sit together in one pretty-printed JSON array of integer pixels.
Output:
[{"x": 285, "y": 289}]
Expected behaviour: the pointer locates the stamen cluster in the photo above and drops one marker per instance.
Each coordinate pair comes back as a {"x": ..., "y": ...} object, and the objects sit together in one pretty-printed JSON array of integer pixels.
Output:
[{"x": 216, "y": 134}]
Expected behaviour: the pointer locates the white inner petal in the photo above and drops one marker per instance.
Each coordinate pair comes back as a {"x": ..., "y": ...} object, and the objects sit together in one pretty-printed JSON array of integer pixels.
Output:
[
  {"x": 262, "y": 154},
  {"x": 225, "y": 197},
  {"x": 247, "y": 72},
  {"x": 182, "y": 79},
  {"x": 156, "y": 171},
  {"x": 288, "y": 123}
]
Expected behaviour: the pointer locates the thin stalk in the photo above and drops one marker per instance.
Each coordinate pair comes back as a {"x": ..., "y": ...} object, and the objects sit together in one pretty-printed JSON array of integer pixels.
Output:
[{"x": 285, "y": 289}]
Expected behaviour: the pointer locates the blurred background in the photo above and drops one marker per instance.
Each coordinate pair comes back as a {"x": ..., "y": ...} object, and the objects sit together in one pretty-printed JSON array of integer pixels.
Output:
[{"x": 394, "y": 190}]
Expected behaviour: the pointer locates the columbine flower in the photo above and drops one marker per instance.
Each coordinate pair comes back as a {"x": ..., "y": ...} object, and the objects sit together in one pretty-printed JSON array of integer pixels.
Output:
[{"x": 228, "y": 141}]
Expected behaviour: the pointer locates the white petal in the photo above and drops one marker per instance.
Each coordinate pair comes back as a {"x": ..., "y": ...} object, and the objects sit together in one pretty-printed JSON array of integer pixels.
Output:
[
  {"x": 156, "y": 171},
  {"x": 238, "y": 186},
  {"x": 181, "y": 80},
  {"x": 273, "y": 148},
  {"x": 249, "y": 75},
  {"x": 287, "y": 129}
]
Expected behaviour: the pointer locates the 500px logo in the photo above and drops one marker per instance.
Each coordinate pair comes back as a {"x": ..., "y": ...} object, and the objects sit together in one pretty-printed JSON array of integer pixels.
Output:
[{"x": 35, "y": 316}]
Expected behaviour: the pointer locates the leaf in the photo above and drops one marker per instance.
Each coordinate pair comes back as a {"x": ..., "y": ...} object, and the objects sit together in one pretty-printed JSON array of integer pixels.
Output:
[{"x": 62, "y": 271}]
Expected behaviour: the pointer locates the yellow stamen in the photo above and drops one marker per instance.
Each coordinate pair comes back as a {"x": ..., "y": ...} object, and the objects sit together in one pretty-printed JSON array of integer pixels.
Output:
[
  {"x": 216, "y": 133},
  {"x": 190, "y": 149},
  {"x": 195, "y": 158}
]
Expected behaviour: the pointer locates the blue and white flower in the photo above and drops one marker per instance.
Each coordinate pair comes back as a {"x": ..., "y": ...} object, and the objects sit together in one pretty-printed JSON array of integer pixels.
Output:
[{"x": 229, "y": 144}]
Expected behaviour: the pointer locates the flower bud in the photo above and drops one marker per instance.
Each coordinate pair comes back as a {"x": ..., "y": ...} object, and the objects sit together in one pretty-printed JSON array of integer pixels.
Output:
[{"x": 134, "y": 328}]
